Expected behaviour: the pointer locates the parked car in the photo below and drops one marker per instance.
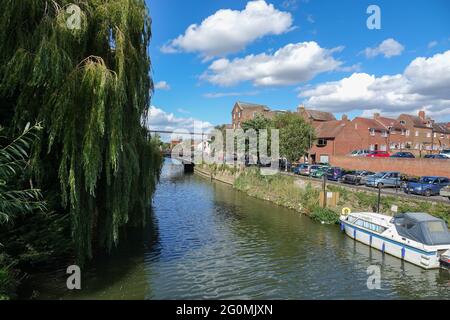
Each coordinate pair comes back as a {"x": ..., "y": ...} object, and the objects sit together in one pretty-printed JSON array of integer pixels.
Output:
[
  {"x": 403, "y": 154},
  {"x": 304, "y": 169},
  {"x": 298, "y": 167},
  {"x": 378, "y": 154},
  {"x": 384, "y": 179},
  {"x": 427, "y": 186},
  {"x": 317, "y": 171},
  {"x": 283, "y": 163},
  {"x": 335, "y": 173},
  {"x": 446, "y": 153},
  {"x": 356, "y": 177},
  {"x": 445, "y": 192},
  {"x": 436, "y": 156},
  {"x": 359, "y": 153},
  {"x": 314, "y": 168}
]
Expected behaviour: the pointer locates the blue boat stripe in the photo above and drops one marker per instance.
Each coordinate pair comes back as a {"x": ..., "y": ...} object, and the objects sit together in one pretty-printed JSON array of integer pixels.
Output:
[{"x": 432, "y": 253}]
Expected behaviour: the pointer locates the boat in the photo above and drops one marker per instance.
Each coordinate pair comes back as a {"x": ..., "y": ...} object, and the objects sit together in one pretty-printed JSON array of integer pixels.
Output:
[{"x": 415, "y": 237}]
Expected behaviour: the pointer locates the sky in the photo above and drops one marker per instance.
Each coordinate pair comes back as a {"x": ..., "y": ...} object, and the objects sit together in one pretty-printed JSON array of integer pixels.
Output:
[{"x": 208, "y": 54}]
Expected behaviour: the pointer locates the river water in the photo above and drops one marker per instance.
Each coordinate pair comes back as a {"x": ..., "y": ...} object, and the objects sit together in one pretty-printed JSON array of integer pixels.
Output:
[{"x": 209, "y": 241}]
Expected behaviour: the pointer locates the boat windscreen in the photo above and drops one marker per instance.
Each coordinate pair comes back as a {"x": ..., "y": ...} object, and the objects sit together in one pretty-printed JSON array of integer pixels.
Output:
[{"x": 427, "y": 232}]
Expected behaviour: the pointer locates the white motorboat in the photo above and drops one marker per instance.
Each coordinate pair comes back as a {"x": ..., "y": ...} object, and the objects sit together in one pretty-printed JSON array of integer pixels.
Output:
[{"x": 418, "y": 238}]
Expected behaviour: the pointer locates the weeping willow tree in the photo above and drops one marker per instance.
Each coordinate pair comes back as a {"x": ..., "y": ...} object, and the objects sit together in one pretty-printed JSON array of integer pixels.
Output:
[{"x": 83, "y": 72}]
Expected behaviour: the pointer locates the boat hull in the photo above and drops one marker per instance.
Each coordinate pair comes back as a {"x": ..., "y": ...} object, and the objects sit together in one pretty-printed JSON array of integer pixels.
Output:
[{"x": 419, "y": 257}]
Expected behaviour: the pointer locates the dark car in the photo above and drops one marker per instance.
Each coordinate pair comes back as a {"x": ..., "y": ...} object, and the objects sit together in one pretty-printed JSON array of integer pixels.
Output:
[
  {"x": 356, "y": 177},
  {"x": 335, "y": 173},
  {"x": 427, "y": 186},
  {"x": 436, "y": 156},
  {"x": 378, "y": 154},
  {"x": 403, "y": 155}
]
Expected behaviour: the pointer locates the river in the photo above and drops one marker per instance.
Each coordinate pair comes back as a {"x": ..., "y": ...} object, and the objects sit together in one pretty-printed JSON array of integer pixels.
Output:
[{"x": 209, "y": 241}]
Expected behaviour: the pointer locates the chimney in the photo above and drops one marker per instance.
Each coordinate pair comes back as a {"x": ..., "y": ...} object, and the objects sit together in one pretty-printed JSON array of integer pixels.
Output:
[
  {"x": 300, "y": 108},
  {"x": 422, "y": 115},
  {"x": 376, "y": 115},
  {"x": 344, "y": 117}
]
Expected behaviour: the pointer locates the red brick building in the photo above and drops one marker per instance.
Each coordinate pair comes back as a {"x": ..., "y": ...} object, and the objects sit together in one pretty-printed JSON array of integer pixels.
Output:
[{"x": 243, "y": 111}]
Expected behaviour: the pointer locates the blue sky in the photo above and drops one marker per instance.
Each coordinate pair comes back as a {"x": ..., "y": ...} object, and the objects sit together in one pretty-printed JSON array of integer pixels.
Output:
[{"x": 288, "y": 52}]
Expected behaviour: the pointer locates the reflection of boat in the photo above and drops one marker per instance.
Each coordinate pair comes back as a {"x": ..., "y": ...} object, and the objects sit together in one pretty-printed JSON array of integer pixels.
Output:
[{"x": 418, "y": 238}]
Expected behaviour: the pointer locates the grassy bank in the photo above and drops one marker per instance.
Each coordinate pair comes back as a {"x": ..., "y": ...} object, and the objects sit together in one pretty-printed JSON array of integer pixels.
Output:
[{"x": 304, "y": 197}]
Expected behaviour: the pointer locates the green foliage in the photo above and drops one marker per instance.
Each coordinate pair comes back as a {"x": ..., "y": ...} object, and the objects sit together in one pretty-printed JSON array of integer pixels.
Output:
[
  {"x": 259, "y": 122},
  {"x": 90, "y": 87},
  {"x": 296, "y": 136},
  {"x": 325, "y": 215},
  {"x": 14, "y": 155}
]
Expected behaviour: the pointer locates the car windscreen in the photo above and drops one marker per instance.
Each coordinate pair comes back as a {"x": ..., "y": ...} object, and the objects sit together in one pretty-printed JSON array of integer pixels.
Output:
[{"x": 427, "y": 180}]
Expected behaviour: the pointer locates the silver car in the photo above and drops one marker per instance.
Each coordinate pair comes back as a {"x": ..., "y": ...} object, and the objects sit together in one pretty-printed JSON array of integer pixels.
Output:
[{"x": 384, "y": 179}]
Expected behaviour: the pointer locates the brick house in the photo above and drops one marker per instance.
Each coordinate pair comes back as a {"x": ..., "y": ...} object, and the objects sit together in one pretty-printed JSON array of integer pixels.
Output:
[
  {"x": 419, "y": 131},
  {"x": 315, "y": 116},
  {"x": 335, "y": 137},
  {"x": 396, "y": 132},
  {"x": 441, "y": 136},
  {"x": 243, "y": 111},
  {"x": 374, "y": 135}
]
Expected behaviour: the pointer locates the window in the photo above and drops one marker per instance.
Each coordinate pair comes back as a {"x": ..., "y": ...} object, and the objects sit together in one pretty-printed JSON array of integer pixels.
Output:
[
  {"x": 417, "y": 133},
  {"x": 384, "y": 133},
  {"x": 372, "y": 132},
  {"x": 383, "y": 147},
  {"x": 321, "y": 142},
  {"x": 403, "y": 132},
  {"x": 402, "y": 122},
  {"x": 407, "y": 133},
  {"x": 370, "y": 226},
  {"x": 428, "y": 134}
]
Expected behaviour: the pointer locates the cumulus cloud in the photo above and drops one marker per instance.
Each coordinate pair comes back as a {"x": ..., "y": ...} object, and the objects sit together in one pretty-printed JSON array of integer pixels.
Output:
[
  {"x": 388, "y": 48},
  {"x": 291, "y": 64},
  {"x": 229, "y": 31},
  {"x": 423, "y": 85},
  {"x": 162, "y": 85},
  {"x": 158, "y": 119}
]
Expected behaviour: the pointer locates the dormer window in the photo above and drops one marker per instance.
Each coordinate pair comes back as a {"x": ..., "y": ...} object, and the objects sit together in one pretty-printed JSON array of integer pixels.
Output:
[
  {"x": 372, "y": 131},
  {"x": 402, "y": 122}
]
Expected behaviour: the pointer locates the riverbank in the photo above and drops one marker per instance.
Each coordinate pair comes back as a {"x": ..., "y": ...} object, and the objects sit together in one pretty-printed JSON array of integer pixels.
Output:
[{"x": 303, "y": 196}]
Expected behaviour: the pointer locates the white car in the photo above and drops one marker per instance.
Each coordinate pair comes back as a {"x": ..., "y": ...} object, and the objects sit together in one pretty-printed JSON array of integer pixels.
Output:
[
  {"x": 446, "y": 153},
  {"x": 359, "y": 153}
]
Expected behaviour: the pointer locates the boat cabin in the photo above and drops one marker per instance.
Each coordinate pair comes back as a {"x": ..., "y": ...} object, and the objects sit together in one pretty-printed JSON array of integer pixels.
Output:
[{"x": 423, "y": 228}]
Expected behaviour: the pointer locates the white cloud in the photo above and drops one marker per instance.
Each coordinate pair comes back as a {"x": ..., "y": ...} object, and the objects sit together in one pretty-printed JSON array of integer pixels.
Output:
[
  {"x": 294, "y": 63},
  {"x": 158, "y": 119},
  {"x": 228, "y": 31},
  {"x": 432, "y": 44},
  {"x": 184, "y": 111},
  {"x": 388, "y": 48},
  {"x": 213, "y": 95},
  {"x": 290, "y": 4},
  {"x": 162, "y": 85},
  {"x": 423, "y": 85}
]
